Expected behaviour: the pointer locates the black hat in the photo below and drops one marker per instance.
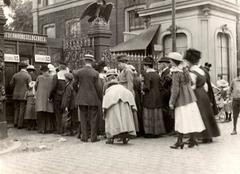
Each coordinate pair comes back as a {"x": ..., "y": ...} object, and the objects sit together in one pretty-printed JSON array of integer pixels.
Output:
[
  {"x": 192, "y": 55},
  {"x": 148, "y": 61},
  {"x": 100, "y": 65},
  {"x": 23, "y": 64},
  {"x": 164, "y": 60},
  {"x": 44, "y": 68},
  {"x": 207, "y": 66},
  {"x": 122, "y": 58}
]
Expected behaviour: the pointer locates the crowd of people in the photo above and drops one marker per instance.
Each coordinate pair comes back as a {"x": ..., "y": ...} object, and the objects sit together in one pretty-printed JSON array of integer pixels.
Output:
[{"x": 175, "y": 99}]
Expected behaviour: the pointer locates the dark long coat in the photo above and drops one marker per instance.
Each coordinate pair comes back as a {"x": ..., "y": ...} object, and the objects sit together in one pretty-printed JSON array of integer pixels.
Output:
[
  {"x": 210, "y": 91},
  {"x": 152, "y": 89},
  {"x": 88, "y": 88},
  {"x": 20, "y": 83}
]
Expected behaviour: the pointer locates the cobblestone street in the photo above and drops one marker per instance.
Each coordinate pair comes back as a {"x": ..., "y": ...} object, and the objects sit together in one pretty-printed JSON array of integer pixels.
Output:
[{"x": 47, "y": 154}]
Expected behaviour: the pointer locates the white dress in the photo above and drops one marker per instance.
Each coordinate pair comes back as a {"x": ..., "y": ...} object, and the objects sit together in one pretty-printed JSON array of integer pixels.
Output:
[
  {"x": 118, "y": 103},
  {"x": 188, "y": 119}
]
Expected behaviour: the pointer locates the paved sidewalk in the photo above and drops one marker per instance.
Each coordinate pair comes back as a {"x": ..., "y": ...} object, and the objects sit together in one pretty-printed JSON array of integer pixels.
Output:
[{"x": 44, "y": 154}]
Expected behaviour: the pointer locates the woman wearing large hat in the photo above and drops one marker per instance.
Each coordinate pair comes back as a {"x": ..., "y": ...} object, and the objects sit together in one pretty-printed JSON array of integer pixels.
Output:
[
  {"x": 187, "y": 115},
  {"x": 198, "y": 77},
  {"x": 152, "y": 101}
]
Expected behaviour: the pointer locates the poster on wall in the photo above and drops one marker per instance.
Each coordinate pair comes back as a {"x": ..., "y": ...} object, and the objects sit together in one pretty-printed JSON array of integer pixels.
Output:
[
  {"x": 42, "y": 58},
  {"x": 11, "y": 58}
]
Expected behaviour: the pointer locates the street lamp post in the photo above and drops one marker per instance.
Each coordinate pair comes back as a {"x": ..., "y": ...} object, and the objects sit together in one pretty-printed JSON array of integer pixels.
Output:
[{"x": 174, "y": 47}]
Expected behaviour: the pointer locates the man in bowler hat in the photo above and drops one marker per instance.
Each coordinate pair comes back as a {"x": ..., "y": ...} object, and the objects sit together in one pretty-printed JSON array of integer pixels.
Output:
[
  {"x": 20, "y": 83},
  {"x": 88, "y": 97}
]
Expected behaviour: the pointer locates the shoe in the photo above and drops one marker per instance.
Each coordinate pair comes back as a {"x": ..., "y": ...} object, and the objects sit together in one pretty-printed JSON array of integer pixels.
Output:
[
  {"x": 94, "y": 141},
  {"x": 125, "y": 140},
  {"x": 192, "y": 143},
  {"x": 83, "y": 140},
  {"x": 110, "y": 141},
  {"x": 177, "y": 145},
  {"x": 234, "y": 132},
  {"x": 207, "y": 140}
]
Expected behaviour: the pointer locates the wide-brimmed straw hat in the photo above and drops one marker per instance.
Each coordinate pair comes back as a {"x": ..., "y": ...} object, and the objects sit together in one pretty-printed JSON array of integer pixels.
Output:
[
  {"x": 222, "y": 83},
  {"x": 111, "y": 72},
  {"x": 89, "y": 57},
  {"x": 30, "y": 67},
  {"x": 175, "y": 56}
]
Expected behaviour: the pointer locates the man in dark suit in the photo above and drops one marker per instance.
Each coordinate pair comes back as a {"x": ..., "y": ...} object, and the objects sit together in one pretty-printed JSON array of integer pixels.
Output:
[
  {"x": 88, "y": 97},
  {"x": 20, "y": 82}
]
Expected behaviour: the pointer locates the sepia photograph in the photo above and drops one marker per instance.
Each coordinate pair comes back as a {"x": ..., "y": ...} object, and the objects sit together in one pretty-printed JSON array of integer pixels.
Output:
[{"x": 119, "y": 86}]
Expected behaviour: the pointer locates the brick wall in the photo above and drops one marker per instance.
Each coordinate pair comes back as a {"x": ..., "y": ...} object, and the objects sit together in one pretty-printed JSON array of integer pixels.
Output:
[{"x": 117, "y": 20}]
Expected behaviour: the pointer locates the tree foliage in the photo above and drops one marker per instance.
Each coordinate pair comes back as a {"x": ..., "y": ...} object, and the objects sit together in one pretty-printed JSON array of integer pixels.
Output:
[{"x": 22, "y": 16}]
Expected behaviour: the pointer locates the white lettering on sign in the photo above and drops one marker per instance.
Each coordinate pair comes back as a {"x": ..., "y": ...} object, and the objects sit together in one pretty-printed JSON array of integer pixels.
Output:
[
  {"x": 25, "y": 37},
  {"x": 42, "y": 58},
  {"x": 11, "y": 58}
]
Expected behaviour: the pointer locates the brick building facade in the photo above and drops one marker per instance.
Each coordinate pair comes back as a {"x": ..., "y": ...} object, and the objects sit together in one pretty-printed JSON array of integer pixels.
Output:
[{"x": 63, "y": 16}]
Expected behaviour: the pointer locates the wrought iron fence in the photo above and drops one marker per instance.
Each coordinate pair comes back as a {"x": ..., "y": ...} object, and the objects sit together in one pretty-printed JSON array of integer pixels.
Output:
[{"x": 75, "y": 48}]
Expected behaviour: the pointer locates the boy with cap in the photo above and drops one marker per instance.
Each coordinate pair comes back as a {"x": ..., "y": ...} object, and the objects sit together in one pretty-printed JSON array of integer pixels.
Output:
[
  {"x": 68, "y": 105},
  {"x": 88, "y": 97},
  {"x": 20, "y": 82}
]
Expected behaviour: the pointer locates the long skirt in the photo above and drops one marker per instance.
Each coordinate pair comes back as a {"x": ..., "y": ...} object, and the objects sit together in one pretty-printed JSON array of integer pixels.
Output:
[
  {"x": 188, "y": 119},
  {"x": 119, "y": 120},
  {"x": 153, "y": 121},
  {"x": 206, "y": 112},
  {"x": 46, "y": 122}
]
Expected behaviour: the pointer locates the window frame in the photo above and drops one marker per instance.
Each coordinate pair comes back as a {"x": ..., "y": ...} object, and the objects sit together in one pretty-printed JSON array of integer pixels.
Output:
[{"x": 52, "y": 25}]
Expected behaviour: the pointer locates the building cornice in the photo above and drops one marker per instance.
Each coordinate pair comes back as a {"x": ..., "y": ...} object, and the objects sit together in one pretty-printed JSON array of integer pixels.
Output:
[
  {"x": 184, "y": 4},
  {"x": 61, "y": 6}
]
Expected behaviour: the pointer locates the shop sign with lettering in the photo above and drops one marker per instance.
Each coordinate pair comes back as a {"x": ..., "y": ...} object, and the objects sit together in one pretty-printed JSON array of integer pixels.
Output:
[
  {"x": 42, "y": 58},
  {"x": 25, "y": 37},
  {"x": 11, "y": 58}
]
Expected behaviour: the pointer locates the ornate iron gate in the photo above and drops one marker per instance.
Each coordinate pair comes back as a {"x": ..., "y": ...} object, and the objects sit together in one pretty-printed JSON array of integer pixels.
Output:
[{"x": 74, "y": 49}]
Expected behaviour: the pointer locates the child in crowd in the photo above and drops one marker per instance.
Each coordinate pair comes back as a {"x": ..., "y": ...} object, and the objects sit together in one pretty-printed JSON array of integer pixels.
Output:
[
  {"x": 68, "y": 106},
  {"x": 30, "y": 114},
  {"x": 224, "y": 100}
]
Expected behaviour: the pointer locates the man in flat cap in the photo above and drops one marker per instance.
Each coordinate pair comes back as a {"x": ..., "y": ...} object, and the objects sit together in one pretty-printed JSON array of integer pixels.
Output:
[
  {"x": 20, "y": 82},
  {"x": 88, "y": 97},
  {"x": 126, "y": 74},
  {"x": 58, "y": 86}
]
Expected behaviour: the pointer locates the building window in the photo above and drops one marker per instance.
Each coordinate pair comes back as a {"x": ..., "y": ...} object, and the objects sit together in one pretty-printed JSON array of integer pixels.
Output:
[
  {"x": 135, "y": 21},
  {"x": 50, "y": 30},
  {"x": 73, "y": 27},
  {"x": 181, "y": 42},
  {"x": 223, "y": 53}
]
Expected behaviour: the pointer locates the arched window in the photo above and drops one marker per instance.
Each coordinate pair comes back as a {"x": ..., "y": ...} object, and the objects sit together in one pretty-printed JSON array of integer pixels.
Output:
[
  {"x": 181, "y": 42},
  {"x": 223, "y": 51}
]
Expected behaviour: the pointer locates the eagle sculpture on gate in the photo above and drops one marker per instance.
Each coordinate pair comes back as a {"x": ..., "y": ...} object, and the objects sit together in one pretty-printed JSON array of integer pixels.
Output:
[{"x": 99, "y": 9}]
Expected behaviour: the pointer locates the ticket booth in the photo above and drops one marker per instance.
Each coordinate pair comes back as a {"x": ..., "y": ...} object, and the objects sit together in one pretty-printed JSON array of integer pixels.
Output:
[{"x": 31, "y": 48}]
